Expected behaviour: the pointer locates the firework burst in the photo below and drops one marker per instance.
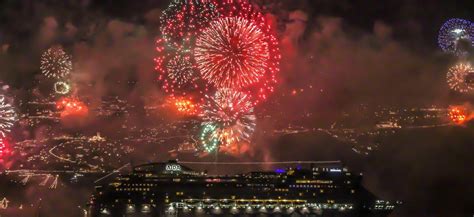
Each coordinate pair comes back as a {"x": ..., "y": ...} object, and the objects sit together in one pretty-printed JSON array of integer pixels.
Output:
[
  {"x": 177, "y": 73},
  {"x": 232, "y": 53},
  {"x": 55, "y": 63},
  {"x": 456, "y": 36},
  {"x": 247, "y": 57},
  {"x": 209, "y": 138},
  {"x": 232, "y": 112},
  {"x": 8, "y": 117},
  {"x": 461, "y": 77},
  {"x": 180, "y": 70},
  {"x": 62, "y": 88},
  {"x": 182, "y": 19}
]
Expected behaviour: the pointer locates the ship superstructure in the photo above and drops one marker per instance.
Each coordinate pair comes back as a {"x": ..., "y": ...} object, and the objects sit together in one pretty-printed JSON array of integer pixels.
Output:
[{"x": 172, "y": 189}]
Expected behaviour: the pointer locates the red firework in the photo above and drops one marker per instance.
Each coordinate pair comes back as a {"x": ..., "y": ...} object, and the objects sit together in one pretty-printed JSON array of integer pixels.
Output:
[
  {"x": 177, "y": 73},
  {"x": 249, "y": 53},
  {"x": 71, "y": 107},
  {"x": 183, "y": 18},
  {"x": 4, "y": 148},
  {"x": 232, "y": 53},
  {"x": 239, "y": 50},
  {"x": 180, "y": 23}
]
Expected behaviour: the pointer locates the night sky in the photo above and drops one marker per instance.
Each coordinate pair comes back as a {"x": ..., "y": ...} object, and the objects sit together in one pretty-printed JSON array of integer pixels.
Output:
[{"x": 351, "y": 53}]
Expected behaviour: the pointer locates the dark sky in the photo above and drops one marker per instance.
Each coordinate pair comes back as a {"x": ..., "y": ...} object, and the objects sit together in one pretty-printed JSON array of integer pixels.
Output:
[{"x": 352, "y": 52}]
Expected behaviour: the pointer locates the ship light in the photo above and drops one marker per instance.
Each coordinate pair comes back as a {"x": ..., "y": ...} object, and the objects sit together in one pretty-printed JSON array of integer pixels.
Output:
[
  {"x": 199, "y": 209},
  {"x": 234, "y": 210},
  {"x": 186, "y": 209},
  {"x": 248, "y": 209},
  {"x": 305, "y": 209},
  {"x": 277, "y": 209},
  {"x": 146, "y": 208},
  {"x": 130, "y": 208},
  {"x": 105, "y": 211},
  {"x": 217, "y": 210},
  {"x": 290, "y": 210}
]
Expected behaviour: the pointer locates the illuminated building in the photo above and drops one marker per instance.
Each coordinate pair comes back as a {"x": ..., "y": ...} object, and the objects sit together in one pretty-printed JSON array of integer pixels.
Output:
[{"x": 171, "y": 189}]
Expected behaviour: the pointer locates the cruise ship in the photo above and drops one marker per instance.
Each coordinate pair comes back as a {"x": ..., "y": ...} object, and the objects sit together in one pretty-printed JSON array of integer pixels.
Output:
[{"x": 173, "y": 189}]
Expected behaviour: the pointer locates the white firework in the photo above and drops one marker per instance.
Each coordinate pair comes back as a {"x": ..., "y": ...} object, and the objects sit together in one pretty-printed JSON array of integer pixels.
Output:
[
  {"x": 458, "y": 77},
  {"x": 8, "y": 116},
  {"x": 55, "y": 63}
]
